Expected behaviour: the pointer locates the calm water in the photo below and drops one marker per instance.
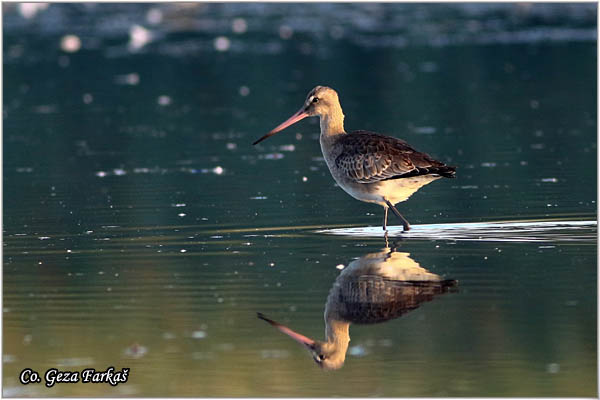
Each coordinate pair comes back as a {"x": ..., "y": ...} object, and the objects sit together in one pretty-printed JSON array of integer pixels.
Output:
[{"x": 142, "y": 230}]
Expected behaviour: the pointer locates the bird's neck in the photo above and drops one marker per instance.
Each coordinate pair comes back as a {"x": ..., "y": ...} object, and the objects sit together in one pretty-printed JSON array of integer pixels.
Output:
[
  {"x": 332, "y": 123},
  {"x": 338, "y": 333}
]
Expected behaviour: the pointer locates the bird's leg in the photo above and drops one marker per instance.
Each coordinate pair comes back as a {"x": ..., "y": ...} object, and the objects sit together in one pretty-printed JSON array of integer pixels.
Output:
[
  {"x": 385, "y": 211},
  {"x": 405, "y": 224}
]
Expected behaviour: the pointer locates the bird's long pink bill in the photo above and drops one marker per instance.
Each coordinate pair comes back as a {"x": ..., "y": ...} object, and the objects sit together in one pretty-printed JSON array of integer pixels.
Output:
[
  {"x": 301, "y": 114},
  {"x": 294, "y": 335}
]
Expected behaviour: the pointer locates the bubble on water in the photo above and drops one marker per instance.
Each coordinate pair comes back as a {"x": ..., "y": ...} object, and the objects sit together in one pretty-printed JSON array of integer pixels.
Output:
[
  {"x": 222, "y": 43},
  {"x": 239, "y": 25},
  {"x": 304, "y": 179},
  {"x": 552, "y": 180},
  {"x": 181, "y": 214},
  {"x": 70, "y": 43},
  {"x": 218, "y": 170},
  {"x": 488, "y": 164},
  {"x": 340, "y": 266},
  {"x": 183, "y": 251},
  {"x": 231, "y": 146},
  {"x": 119, "y": 171}
]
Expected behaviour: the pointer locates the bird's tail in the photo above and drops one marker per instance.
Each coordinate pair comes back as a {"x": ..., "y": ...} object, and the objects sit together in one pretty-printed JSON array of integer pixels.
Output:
[{"x": 446, "y": 171}]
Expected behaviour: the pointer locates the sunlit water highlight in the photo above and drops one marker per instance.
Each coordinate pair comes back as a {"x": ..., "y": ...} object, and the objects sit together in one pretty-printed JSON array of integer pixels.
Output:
[{"x": 509, "y": 231}]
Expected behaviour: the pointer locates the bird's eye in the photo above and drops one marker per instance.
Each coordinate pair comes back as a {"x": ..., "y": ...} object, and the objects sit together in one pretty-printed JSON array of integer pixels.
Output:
[{"x": 315, "y": 100}]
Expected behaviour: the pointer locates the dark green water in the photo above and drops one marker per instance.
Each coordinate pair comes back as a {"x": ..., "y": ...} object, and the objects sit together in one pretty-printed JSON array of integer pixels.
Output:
[{"x": 142, "y": 230}]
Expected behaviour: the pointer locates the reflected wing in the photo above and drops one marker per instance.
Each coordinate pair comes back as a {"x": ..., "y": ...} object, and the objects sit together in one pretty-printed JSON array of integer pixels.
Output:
[{"x": 368, "y": 157}]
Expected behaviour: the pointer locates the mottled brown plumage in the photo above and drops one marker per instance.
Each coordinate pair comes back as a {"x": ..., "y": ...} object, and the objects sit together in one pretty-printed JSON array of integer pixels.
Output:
[{"x": 368, "y": 157}]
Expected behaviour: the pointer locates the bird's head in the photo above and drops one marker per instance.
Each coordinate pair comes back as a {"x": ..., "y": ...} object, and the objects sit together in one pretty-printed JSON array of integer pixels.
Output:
[
  {"x": 327, "y": 355},
  {"x": 320, "y": 101}
]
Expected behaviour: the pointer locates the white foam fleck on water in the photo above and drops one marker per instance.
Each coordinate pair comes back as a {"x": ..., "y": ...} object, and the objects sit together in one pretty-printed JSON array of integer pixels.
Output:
[
  {"x": 30, "y": 10},
  {"x": 199, "y": 334},
  {"x": 285, "y": 32},
  {"x": 425, "y": 130},
  {"x": 552, "y": 368},
  {"x": 132, "y": 79},
  {"x": 74, "y": 362},
  {"x": 244, "y": 91},
  {"x": 287, "y": 147},
  {"x": 164, "y": 100},
  {"x": 274, "y": 353},
  {"x": 8, "y": 358},
  {"x": 222, "y": 43},
  {"x": 87, "y": 98},
  {"x": 139, "y": 37},
  {"x": 239, "y": 25},
  {"x": 357, "y": 351},
  {"x": 70, "y": 43},
  {"x": 154, "y": 16},
  {"x": 553, "y": 180}
]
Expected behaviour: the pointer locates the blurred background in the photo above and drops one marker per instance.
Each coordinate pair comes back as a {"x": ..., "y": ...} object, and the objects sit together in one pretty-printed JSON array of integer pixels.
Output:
[{"x": 142, "y": 229}]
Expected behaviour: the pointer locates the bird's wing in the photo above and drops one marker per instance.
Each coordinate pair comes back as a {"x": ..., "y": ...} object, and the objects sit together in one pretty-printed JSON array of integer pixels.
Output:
[{"x": 367, "y": 157}]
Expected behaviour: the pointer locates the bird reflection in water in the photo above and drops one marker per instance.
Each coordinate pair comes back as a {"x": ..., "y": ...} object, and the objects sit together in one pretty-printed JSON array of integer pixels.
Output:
[{"x": 375, "y": 288}]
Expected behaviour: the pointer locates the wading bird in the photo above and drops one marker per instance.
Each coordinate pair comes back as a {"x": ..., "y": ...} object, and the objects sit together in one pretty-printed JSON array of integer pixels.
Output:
[
  {"x": 370, "y": 167},
  {"x": 375, "y": 288}
]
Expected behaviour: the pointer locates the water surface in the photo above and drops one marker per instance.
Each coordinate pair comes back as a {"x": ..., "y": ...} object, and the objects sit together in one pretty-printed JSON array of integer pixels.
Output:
[{"x": 142, "y": 230}]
